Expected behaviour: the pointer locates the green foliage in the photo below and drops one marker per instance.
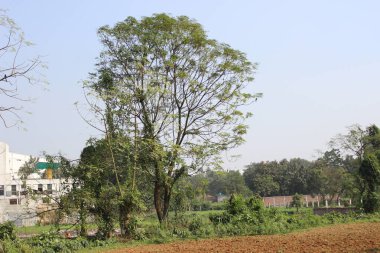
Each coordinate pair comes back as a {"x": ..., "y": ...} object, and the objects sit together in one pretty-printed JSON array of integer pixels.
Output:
[
  {"x": 193, "y": 225},
  {"x": 369, "y": 171},
  {"x": 279, "y": 178},
  {"x": 200, "y": 205},
  {"x": 7, "y": 231},
  {"x": 217, "y": 218},
  {"x": 14, "y": 246},
  {"x": 255, "y": 204},
  {"x": 236, "y": 205},
  {"x": 52, "y": 242},
  {"x": 103, "y": 185},
  {"x": 48, "y": 242},
  {"x": 28, "y": 168},
  {"x": 296, "y": 201},
  {"x": 135, "y": 229},
  {"x": 364, "y": 146},
  {"x": 217, "y": 206},
  {"x": 225, "y": 182}
]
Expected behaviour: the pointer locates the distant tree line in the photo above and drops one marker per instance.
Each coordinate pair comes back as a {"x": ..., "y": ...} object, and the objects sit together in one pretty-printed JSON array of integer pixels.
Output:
[{"x": 350, "y": 169}]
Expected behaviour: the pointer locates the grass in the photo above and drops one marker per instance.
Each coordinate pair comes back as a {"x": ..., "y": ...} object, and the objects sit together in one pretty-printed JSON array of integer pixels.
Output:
[
  {"x": 128, "y": 244},
  {"x": 32, "y": 230},
  {"x": 149, "y": 219},
  {"x": 196, "y": 224},
  {"x": 117, "y": 245},
  {"x": 38, "y": 229}
]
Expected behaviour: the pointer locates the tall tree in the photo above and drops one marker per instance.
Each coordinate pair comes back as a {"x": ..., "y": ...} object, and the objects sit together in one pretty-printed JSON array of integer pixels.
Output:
[{"x": 179, "y": 90}]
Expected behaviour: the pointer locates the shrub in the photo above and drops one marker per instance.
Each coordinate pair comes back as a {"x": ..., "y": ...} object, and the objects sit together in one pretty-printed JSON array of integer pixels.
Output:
[
  {"x": 53, "y": 242},
  {"x": 14, "y": 246},
  {"x": 216, "y": 218},
  {"x": 198, "y": 205},
  {"x": 195, "y": 225},
  {"x": 255, "y": 204},
  {"x": 217, "y": 206},
  {"x": 296, "y": 201},
  {"x": 236, "y": 205},
  {"x": 181, "y": 232},
  {"x": 7, "y": 231}
]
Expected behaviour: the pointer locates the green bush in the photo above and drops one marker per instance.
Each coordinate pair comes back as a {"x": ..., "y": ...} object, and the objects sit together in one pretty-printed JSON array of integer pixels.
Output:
[
  {"x": 255, "y": 204},
  {"x": 7, "y": 231},
  {"x": 14, "y": 246},
  {"x": 53, "y": 242},
  {"x": 199, "y": 205},
  {"x": 217, "y": 206},
  {"x": 181, "y": 232},
  {"x": 236, "y": 205},
  {"x": 216, "y": 218}
]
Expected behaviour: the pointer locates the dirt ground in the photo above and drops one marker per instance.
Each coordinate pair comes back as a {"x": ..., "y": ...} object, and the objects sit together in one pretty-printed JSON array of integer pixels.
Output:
[{"x": 359, "y": 237}]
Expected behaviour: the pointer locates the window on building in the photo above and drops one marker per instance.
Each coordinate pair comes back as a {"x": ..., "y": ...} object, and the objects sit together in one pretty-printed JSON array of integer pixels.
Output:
[
  {"x": 1, "y": 190},
  {"x": 14, "y": 189},
  {"x": 49, "y": 188},
  {"x": 39, "y": 188},
  {"x": 13, "y": 201}
]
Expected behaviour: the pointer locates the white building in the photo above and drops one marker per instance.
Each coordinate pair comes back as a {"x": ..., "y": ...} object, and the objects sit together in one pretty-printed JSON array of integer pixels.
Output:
[{"x": 15, "y": 202}]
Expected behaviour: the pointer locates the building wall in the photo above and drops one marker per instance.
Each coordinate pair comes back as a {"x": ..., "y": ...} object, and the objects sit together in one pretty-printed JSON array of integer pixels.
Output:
[
  {"x": 15, "y": 203},
  {"x": 4, "y": 152},
  {"x": 307, "y": 200}
]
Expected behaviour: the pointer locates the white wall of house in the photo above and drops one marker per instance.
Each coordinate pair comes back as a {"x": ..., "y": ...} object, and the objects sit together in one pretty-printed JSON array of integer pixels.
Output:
[{"x": 14, "y": 203}]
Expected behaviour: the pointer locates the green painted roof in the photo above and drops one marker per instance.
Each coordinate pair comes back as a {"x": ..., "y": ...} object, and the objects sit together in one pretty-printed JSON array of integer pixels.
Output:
[{"x": 45, "y": 165}]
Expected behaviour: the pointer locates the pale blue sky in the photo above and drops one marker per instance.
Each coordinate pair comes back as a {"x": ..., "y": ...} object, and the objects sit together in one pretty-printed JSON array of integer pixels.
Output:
[{"x": 319, "y": 68}]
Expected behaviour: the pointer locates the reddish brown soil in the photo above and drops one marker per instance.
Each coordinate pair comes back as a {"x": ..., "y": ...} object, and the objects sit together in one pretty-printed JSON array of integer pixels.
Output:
[{"x": 359, "y": 237}]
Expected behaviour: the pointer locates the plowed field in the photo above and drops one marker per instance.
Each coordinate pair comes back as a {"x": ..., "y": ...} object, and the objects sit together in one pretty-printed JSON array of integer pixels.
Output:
[{"x": 359, "y": 237}]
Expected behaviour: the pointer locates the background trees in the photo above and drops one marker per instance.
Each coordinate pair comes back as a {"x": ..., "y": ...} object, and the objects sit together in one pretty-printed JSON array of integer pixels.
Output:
[
  {"x": 369, "y": 170},
  {"x": 336, "y": 177},
  {"x": 226, "y": 183},
  {"x": 279, "y": 178},
  {"x": 362, "y": 144},
  {"x": 260, "y": 178}
]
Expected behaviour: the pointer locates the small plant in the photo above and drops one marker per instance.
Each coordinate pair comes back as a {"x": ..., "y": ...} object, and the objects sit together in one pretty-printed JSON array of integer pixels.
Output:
[
  {"x": 296, "y": 202},
  {"x": 223, "y": 218},
  {"x": 236, "y": 205},
  {"x": 255, "y": 204},
  {"x": 7, "y": 231}
]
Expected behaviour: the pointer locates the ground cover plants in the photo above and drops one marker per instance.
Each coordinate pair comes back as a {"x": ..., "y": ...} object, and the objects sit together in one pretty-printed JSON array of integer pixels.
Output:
[{"x": 241, "y": 216}]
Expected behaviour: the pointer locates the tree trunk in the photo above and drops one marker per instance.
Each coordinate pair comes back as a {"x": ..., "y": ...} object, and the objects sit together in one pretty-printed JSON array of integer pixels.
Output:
[
  {"x": 157, "y": 201},
  {"x": 167, "y": 196},
  {"x": 82, "y": 220},
  {"x": 162, "y": 195},
  {"x": 124, "y": 219},
  {"x": 125, "y": 216}
]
